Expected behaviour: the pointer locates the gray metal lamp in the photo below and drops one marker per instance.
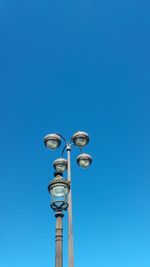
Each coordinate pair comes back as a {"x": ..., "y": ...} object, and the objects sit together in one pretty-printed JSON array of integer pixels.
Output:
[
  {"x": 60, "y": 165},
  {"x": 80, "y": 139},
  {"x": 52, "y": 141},
  {"x": 84, "y": 160},
  {"x": 59, "y": 189}
]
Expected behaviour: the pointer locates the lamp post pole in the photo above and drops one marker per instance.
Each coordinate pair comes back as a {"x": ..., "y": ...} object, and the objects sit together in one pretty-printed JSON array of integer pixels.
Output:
[
  {"x": 70, "y": 228},
  {"x": 53, "y": 141},
  {"x": 59, "y": 239}
]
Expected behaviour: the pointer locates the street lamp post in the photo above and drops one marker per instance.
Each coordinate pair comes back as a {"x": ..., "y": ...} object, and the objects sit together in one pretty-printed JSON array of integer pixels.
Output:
[{"x": 53, "y": 141}]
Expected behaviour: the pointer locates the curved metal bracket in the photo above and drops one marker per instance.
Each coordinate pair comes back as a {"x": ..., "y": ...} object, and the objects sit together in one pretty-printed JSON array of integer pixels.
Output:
[
  {"x": 69, "y": 147},
  {"x": 62, "y": 137},
  {"x": 62, "y": 153},
  {"x": 59, "y": 205}
]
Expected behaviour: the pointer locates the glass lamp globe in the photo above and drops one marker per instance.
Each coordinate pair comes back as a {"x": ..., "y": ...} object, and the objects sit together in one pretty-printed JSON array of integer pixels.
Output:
[
  {"x": 84, "y": 160},
  {"x": 52, "y": 141},
  {"x": 59, "y": 191},
  {"x": 80, "y": 139},
  {"x": 60, "y": 164}
]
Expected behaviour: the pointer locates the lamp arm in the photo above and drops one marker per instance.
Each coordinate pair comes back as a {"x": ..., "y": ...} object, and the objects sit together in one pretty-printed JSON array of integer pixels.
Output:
[
  {"x": 71, "y": 144},
  {"x": 62, "y": 153},
  {"x": 62, "y": 137},
  {"x": 81, "y": 150}
]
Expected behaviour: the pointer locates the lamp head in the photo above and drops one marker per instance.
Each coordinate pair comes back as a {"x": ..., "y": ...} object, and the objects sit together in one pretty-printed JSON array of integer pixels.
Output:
[
  {"x": 52, "y": 141},
  {"x": 84, "y": 160},
  {"x": 60, "y": 165},
  {"x": 59, "y": 189},
  {"x": 80, "y": 139}
]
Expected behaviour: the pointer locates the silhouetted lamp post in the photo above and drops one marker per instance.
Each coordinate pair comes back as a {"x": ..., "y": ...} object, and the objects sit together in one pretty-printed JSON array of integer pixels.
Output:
[{"x": 53, "y": 141}]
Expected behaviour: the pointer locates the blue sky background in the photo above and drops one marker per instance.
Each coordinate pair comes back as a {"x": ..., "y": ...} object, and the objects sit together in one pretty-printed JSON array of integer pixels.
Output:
[{"x": 68, "y": 66}]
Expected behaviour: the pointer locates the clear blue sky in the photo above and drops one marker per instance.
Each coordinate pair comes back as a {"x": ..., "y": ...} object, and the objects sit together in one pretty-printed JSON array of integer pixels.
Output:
[{"x": 68, "y": 66}]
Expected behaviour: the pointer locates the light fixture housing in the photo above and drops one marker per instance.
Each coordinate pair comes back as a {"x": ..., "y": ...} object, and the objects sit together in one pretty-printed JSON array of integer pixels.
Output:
[
  {"x": 59, "y": 189},
  {"x": 84, "y": 160},
  {"x": 52, "y": 141},
  {"x": 80, "y": 139},
  {"x": 60, "y": 165}
]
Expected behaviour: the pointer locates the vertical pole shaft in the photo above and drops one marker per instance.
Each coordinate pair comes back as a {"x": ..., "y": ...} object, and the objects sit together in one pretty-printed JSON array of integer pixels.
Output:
[
  {"x": 70, "y": 230},
  {"x": 59, "y": 239}
]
